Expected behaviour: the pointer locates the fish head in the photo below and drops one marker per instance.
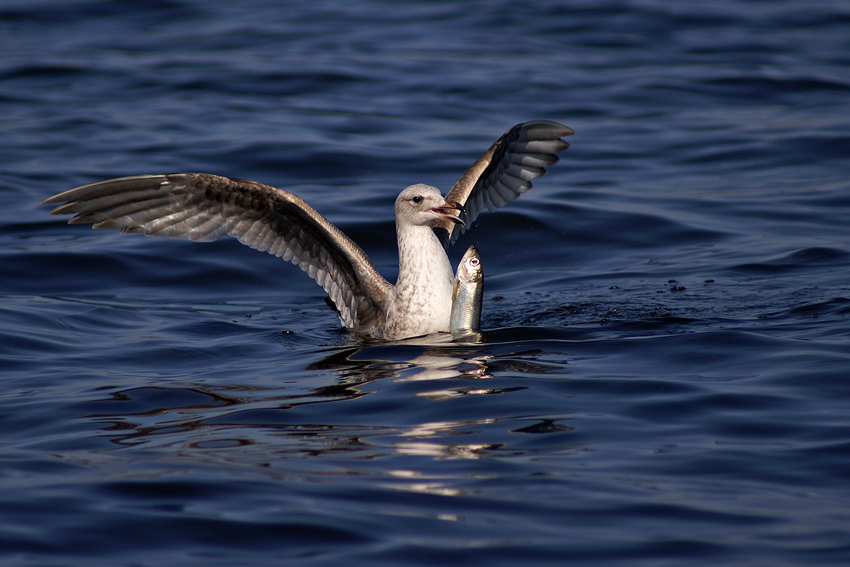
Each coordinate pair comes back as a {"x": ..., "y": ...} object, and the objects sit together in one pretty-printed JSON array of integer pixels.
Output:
[{"x": 470, "y": 269}]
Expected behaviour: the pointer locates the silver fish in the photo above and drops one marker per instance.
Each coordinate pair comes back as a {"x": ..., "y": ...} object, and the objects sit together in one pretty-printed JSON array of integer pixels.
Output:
[{"x": 466, "y": 298}]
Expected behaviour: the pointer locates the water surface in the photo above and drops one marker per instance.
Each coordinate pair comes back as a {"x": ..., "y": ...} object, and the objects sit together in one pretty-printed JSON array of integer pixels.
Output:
[{"x": 665, "y": 377}]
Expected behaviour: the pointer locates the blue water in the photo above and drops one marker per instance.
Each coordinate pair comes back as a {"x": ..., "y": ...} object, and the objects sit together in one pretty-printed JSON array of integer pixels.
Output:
[{"x": 667, "y": 374}]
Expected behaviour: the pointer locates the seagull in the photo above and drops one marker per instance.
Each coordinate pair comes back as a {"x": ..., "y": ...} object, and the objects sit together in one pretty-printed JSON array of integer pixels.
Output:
[{"x": 205, "y": 207}]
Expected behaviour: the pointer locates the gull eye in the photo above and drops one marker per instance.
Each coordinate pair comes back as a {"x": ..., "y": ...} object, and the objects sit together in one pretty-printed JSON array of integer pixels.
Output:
[{"x": 417, "y": 199}]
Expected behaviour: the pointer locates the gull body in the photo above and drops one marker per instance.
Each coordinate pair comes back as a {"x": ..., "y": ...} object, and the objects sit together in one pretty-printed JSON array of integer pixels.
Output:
[
  {"x": 205, "y": 207},
  {"x": 422, "y": 295}
]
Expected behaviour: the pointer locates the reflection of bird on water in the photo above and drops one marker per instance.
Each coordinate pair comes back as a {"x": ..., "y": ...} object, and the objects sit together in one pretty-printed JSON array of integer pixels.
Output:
[{"x": 204, "y": 207}]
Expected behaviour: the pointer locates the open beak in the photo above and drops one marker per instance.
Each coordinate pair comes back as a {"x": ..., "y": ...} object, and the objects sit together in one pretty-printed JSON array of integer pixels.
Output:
[{"x": 448, "y": 210}]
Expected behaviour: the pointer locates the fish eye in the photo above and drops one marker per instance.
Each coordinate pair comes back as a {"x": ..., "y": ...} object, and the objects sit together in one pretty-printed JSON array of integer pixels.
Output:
[
  {"x": 417, "y": 199},
  {"x": 474, "y": 262}
]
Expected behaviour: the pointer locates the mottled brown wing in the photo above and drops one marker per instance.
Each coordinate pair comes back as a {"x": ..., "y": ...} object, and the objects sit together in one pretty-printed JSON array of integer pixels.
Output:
[
  {"x": 203, "y": 207},
  {"x": 504, "y": 172}
]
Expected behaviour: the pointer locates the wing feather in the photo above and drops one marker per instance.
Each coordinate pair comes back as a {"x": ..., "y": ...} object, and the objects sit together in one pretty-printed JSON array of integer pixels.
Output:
[
  {"x": 504, "y": 172},
  {"x": 504, "y": 191},
  {"x": 203, "y": 207}
]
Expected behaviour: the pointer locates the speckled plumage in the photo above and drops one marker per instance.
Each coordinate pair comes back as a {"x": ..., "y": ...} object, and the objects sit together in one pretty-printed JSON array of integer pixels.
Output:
[
  {"x": 205, "y": 207},
  {"x": 422, "y": 296}
]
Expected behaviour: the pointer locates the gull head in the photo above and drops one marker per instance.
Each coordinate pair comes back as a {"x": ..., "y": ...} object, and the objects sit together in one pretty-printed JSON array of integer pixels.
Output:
[{"x": 423, "y": 205}]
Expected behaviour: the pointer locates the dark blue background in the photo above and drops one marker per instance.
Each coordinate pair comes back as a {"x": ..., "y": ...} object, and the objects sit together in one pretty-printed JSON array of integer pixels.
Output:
[{"x": 666, "y": 380}]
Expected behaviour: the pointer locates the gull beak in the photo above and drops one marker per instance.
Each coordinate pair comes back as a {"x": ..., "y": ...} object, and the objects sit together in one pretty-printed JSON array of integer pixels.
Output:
[{"x": 448, "y": 209}]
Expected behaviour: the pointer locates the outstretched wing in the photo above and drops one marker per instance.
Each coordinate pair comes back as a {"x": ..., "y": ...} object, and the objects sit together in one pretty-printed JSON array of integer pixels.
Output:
[
  {"x": 504, "y": 172},
  {"x": 203, "y": 207}
]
